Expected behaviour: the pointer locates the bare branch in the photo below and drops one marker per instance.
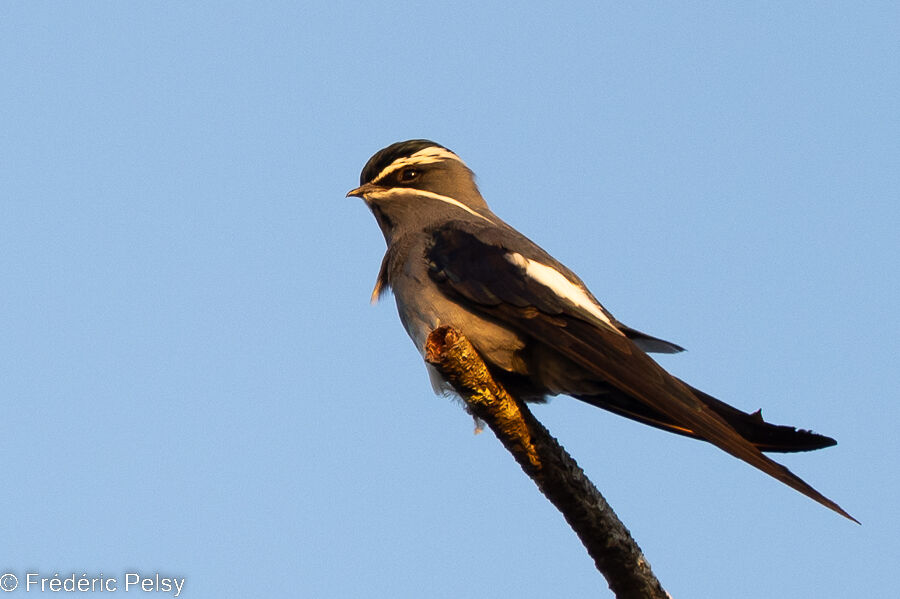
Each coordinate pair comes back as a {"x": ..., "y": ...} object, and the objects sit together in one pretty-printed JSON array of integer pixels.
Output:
[{"x": 556, "y": 474}]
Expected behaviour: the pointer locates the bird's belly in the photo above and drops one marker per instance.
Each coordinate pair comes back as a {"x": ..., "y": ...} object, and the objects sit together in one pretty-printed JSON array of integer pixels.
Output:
[{"x": 430, "y": 309}]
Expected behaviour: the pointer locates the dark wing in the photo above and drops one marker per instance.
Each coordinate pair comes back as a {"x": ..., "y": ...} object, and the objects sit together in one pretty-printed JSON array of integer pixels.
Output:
[
  {"x": 648, "y": 343},
  {"x": 473, "y": 264}
]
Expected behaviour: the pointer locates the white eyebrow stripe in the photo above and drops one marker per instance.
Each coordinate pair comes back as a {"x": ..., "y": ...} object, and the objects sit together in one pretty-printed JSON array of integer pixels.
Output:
[
  {"x": 400, "y": 191},
  {"x": 427, "y": 155},
  {"x": 557, "y": 282},
  {"x": 438, "y": 152}
]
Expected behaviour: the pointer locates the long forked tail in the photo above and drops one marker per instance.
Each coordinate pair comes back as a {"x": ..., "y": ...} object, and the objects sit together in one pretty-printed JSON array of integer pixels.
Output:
[{"x": 763, "y": 435}]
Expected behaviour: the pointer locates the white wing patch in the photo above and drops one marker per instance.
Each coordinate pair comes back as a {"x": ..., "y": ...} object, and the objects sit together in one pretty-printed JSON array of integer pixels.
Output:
[{"x": 557, "y": 282}]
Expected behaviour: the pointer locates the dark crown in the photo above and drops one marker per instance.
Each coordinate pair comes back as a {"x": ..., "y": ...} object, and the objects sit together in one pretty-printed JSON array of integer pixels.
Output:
[{"x": 383, "y": 158}]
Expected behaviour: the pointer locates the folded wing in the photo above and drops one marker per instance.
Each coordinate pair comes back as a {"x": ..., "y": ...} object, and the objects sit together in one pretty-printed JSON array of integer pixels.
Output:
[{"x": 476, "y": 265}]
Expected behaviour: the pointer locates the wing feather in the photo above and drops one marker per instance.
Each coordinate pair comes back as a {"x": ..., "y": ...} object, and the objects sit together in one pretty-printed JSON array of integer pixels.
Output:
[{"x": 470, "y": 262}]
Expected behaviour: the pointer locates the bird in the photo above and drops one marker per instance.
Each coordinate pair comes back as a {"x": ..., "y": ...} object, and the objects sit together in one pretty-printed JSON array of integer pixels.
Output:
[{"x": 451, "y": 261}]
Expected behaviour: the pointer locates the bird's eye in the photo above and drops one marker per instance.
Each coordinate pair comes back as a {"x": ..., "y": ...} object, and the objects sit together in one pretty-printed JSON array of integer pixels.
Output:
[{"x": 409, "y": 174}]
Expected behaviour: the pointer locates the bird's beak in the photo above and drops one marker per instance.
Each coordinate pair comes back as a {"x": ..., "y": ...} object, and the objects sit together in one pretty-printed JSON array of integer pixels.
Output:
[{"x": 362, "y": 190}]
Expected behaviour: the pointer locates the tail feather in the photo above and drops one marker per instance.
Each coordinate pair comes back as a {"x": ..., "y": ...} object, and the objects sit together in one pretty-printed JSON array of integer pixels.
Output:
[{"x": 764, "y": 435}]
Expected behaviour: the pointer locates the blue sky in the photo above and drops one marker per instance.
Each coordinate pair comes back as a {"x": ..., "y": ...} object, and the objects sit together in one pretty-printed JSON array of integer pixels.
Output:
[{"x": 192, "y": 379}]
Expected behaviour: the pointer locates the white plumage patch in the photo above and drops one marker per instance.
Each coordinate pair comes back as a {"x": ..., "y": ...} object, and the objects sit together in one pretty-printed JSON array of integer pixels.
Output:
[
  {"x": 557, "y": 282},
  {"x": 401, "y": 191},
  {"x": 424, "y": 156}
]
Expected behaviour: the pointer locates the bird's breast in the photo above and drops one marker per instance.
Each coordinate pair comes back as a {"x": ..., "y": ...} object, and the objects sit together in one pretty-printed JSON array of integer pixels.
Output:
[{"x": 423, "y": 307}]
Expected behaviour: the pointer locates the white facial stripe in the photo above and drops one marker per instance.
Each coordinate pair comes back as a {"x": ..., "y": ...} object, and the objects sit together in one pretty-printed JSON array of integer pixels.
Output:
[
  {"x": 424, "y": 156},
  {"x": 554, "y": 280},
  {"x": 437, "y": 152},
  {"x": 401, "y": 191}
]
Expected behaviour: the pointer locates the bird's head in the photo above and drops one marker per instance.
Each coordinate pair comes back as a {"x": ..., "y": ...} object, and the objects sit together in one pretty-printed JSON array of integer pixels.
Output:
[{"x": 417, "y": 181}]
